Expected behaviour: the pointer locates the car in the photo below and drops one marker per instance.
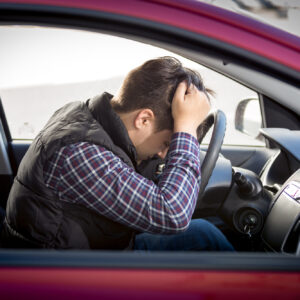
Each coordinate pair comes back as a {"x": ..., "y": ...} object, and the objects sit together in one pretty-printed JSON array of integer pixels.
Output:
[{"x": 250, "y": 178}]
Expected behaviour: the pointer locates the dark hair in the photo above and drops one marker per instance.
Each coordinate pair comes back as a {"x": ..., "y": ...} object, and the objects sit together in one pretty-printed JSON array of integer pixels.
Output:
[{"x": 152, "y": 85}]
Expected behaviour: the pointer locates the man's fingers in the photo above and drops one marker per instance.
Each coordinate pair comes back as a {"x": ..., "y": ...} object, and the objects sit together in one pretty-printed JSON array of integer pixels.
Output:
[
  {"x": 180, "y": 91},
  {"x": 190, "y": 89}
]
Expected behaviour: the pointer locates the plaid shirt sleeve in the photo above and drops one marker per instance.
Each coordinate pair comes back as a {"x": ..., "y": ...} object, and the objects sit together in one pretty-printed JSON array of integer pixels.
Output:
[{"x": 91, "y": 175}]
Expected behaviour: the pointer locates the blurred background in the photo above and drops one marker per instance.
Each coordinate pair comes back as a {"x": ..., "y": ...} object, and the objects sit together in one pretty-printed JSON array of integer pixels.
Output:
[{"x": 284, "y": 14}]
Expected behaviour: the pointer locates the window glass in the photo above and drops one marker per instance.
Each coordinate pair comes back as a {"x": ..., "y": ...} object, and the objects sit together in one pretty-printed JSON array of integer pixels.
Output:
[
  {"x": 44, "y": 68},
  {"x": 228, "y": 95}
]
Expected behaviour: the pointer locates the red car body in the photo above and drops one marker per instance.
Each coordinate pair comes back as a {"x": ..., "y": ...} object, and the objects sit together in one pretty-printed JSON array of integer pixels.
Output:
[
  {"x": 81, "y": 283},
  {"x": 23, "y": 277}
]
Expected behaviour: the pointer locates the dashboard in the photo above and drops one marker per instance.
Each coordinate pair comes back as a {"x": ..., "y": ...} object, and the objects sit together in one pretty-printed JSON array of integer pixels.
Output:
[
  {"x": 264, "y": 206},
  {"x": 281, "y": 232}
]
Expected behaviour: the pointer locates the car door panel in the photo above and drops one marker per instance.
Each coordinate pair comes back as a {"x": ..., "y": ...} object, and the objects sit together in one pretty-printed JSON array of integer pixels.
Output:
[{"x": 6, "y": 170}]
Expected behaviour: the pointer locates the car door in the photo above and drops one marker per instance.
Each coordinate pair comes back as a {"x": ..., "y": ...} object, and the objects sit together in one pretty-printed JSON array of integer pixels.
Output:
[{"x": 114, "y": 275}]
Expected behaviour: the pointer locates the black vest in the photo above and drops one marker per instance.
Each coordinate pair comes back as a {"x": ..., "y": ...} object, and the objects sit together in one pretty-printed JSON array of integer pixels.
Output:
[{"x": 35, "y": 217}]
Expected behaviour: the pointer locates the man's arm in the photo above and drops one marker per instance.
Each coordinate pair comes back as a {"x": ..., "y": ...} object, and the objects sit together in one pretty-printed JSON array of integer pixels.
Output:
[
  {"x": 189, "y": 108},
  {"x": 95, "y": 177}
]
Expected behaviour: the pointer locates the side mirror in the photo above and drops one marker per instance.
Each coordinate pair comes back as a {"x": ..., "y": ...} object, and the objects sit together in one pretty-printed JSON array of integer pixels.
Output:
[{"x": 248, "y": 118}]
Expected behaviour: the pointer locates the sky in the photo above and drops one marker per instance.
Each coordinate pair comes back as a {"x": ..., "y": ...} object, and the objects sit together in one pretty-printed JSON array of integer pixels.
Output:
[{"x": 35, "y": 55}]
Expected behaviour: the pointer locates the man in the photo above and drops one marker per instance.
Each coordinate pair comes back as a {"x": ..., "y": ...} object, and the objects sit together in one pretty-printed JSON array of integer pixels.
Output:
[{"x": 77, "y": 186}]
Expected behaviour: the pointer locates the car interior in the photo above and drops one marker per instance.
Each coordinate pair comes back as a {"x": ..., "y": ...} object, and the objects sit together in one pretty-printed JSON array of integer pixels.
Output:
[{"x": 250, "y": 191}]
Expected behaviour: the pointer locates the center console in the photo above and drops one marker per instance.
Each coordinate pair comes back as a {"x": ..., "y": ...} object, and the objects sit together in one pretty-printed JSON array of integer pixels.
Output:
[{"x": 281, "y": 232}]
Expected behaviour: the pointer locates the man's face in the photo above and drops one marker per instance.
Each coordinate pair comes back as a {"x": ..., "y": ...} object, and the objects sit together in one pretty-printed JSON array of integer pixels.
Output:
[{"x": 153, "y": 143}]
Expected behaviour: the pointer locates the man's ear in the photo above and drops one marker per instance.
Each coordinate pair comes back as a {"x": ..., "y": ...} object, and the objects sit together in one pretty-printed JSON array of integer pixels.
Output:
[{"x": 144, "y": 118}]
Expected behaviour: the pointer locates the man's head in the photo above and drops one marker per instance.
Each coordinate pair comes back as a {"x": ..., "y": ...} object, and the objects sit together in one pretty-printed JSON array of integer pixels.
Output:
[{"x": 144, "y": 102}]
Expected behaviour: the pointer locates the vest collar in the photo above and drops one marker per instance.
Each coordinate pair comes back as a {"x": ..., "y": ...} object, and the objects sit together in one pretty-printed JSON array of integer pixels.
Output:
[{"x": 102, "y": 111}]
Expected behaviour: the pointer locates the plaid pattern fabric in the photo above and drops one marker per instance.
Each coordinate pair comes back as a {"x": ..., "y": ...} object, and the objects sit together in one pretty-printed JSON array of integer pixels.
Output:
[{"x": 91, "y": 175}]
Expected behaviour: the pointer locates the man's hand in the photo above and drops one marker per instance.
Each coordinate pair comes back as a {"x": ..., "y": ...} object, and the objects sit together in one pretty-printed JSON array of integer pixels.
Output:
[{"x": 189, "y": 108}]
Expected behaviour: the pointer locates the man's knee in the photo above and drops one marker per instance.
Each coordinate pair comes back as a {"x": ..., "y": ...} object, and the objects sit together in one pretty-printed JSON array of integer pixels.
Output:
[
  {"x": 208, "y": 236},
  {"x": 202, "y": 225}
]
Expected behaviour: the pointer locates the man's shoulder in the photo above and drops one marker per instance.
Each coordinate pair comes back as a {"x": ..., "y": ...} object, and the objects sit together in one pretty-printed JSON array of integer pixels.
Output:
[
  {"x": 83, "y": 147},
  {"x": 87, "y": 151}
]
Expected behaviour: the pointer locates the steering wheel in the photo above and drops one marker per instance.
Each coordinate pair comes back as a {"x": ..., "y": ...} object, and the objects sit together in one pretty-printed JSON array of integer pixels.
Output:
[
  {"x": 217, "y": 118},
  {"x": 151, "y": 167}
]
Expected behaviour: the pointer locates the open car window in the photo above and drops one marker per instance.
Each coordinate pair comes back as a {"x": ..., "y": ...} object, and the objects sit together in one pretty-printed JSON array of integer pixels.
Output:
[{"x": 43, "y": 68}]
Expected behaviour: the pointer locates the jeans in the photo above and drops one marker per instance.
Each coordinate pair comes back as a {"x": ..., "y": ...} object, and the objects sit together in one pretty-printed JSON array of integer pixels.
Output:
[{"x": 200, "y": 235}]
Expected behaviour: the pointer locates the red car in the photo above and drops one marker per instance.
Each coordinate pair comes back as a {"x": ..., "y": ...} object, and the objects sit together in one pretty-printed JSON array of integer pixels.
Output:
[{"x": 251, "y": 188}]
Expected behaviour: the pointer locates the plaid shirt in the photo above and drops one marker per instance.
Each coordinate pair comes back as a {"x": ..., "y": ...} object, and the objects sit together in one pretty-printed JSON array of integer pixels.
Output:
[{"x": 92, "y": 176}]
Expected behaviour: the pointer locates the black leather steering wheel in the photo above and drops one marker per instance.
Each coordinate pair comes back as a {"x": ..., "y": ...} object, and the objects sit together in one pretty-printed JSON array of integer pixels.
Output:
[
  {"x": 217, "y": 118},
  {"x": 149, "y": 168}
]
